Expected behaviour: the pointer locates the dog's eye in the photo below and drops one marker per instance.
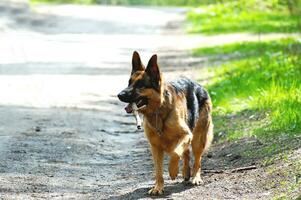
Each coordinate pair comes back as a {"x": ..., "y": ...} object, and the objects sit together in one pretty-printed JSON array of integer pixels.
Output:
[{"x": 139, "y": 84}]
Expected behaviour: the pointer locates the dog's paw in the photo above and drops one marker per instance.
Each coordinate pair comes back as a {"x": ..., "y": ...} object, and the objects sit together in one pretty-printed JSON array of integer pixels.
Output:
[
  {"x": 156, "y": 191},
  {"x": 197, "y": 180}
]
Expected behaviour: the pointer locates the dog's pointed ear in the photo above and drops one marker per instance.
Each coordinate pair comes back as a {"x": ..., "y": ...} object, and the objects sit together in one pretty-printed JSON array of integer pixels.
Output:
[
  {"x": 153, "y": 71},
  {"x": 136, "y": 63}
]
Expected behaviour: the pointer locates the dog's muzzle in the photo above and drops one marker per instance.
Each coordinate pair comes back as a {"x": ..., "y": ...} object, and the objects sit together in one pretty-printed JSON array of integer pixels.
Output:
[
  {"x": 122, "y": 96},
  {"x": 126, "y": 95}
]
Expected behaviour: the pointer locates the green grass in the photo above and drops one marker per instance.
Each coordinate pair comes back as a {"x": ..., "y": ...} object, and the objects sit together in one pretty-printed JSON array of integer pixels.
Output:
[
  {"x": 134, "y": 2},
  {"x": 257, "y": 95},
  {"x": 252, "y": 16},
  {"x": 247, "y": 49}
]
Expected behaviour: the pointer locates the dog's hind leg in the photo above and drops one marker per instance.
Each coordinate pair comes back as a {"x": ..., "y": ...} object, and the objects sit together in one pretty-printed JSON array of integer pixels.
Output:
[{"x": 202, "y": 137}]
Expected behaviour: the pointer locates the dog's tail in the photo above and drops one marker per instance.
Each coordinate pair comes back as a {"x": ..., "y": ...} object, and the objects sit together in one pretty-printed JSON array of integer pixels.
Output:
[
  {"x": 203, "y": 132},
  {"x": 206, "y": 122}
]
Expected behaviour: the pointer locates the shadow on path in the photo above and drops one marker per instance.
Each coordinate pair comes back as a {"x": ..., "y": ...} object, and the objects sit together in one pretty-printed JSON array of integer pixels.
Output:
[{"x": 142, "y": 192}]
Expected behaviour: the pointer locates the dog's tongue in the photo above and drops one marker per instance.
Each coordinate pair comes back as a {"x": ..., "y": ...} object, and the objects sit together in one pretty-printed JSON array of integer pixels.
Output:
[{"x": 129, "y": 108}]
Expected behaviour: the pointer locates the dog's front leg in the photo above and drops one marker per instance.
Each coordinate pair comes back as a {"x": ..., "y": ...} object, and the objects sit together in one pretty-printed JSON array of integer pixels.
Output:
[
  {"x": 181, "y": 150},
  {"x": 158, "y": 162}
]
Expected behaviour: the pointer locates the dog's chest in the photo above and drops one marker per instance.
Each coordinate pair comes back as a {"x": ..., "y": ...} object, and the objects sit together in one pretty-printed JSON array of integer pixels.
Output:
[{"x": 166, "y": 140}]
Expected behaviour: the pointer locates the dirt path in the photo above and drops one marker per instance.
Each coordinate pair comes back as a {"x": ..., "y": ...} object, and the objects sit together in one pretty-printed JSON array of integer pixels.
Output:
[{"x": 63, "y": 133}]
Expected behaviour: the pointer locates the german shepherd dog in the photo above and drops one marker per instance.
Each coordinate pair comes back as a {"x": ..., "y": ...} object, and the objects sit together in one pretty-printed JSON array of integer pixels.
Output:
[{"x": 176, "y": 114}]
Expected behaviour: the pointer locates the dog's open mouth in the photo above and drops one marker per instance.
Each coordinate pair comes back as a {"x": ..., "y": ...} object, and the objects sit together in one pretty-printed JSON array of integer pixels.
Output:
[{"x": 139, "y": 102}]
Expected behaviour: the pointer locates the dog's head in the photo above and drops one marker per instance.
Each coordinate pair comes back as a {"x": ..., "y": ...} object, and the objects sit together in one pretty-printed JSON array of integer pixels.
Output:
[{"x": 144, "y": 86}]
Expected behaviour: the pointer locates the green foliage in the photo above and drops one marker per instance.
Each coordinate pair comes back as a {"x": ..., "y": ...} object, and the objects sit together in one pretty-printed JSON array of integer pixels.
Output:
[
  {"x": 269, "y": 84},
  {"x": 248, "y": 49},
  {"x": 253, "y": 16},
  {"x": 136, "y": 2}
]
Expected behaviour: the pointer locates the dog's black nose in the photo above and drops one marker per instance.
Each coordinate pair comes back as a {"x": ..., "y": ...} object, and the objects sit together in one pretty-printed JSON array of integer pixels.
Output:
[
  {"x": 122, "y": 96},
  {"x": 126, "y": 95}
]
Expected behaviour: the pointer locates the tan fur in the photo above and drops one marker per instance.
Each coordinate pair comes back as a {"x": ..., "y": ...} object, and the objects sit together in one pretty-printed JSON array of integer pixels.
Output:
[
  {"x": 176, "y": 136},
  {"x": 165, "y": 126}
]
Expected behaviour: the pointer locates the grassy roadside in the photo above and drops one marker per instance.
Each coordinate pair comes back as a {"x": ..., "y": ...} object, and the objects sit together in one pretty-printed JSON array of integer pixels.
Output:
[
  {"x": 260, "y": 81},
  {"x": 252, "y": 16},
  {"x": 259, "y": 84},
  {"x": 256, "y": 92}
]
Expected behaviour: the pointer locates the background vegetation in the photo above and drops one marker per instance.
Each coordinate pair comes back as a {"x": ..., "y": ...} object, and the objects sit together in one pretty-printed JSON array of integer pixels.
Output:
[
  {"x": 256, "y": 91},
  {"x": 253, "y": 16},
  {"x": 260, "y": 83},
  {"x": 136, "y": 2}
]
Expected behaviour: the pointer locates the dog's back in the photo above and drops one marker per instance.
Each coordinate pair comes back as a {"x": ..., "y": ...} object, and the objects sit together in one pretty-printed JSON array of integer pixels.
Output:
[
  {"x": 199, "y": 109},
  {"x": 196, "y": 97}
]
